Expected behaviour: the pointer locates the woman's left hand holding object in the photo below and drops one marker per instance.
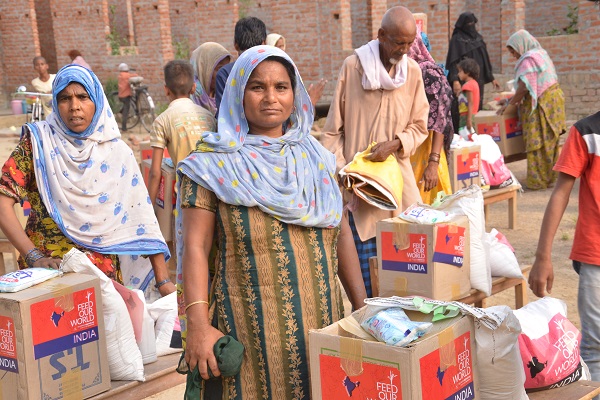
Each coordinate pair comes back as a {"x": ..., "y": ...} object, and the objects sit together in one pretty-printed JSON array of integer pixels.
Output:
[{"x": 201, "y": 338}]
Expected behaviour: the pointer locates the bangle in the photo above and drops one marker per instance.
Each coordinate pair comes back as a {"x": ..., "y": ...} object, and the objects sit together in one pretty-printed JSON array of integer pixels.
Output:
[
  {"x": 161, "y": 283},
  {"x": 434, "y": 157},
  {"x": 32, "y": 256},
  {"x": 193, "y": 303}
]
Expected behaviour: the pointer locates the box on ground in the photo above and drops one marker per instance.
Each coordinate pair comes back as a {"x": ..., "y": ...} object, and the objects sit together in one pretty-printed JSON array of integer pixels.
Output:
[
  {"x": 421, "y": 20},
  {"x": 52, "y": 340},
  {"x": 164, "y": 205},
  {"x": 463, "y": 166},
  {"x": 146, "y": 151},
  {"x": 424, "y": 259},
  {"x": 505, "y": 129},
  {"x": 438, "y": 366}
]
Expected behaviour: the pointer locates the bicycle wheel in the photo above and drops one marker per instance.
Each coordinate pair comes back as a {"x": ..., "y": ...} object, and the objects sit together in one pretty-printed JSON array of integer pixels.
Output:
[
  {"x": 145, "y": 108},
  {"x": 133, "y": 117}
]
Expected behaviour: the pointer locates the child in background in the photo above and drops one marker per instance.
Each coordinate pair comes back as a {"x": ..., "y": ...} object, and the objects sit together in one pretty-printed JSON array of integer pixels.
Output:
[
  {"x": 43, "y": 83},
  {"x": 468, "y": 99},
  {"x": 124, "y": 93},
  {"x": 181, "y": 125}
]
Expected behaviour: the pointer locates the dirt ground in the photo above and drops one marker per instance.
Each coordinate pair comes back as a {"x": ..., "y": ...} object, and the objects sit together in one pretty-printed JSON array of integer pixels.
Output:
[{"x": 531, "y": 206}]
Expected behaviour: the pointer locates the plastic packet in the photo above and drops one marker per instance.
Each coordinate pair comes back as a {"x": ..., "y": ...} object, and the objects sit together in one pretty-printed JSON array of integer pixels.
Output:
[
  {"x": 393, "y": 327},
  {"x": 422, "y": 214},
  {"x": 24, "y": 278}
]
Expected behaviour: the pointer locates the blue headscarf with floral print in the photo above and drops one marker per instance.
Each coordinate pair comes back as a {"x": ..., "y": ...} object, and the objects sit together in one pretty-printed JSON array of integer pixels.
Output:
[{"x": 290, "y": 177}]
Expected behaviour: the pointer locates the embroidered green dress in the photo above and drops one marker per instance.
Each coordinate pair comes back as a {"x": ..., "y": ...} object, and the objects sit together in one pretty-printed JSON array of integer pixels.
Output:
[{"x": 273, "y": 283}]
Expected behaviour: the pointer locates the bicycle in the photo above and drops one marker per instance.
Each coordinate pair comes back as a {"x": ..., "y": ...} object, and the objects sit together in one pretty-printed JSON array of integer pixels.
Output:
[
  {"x": 35, "y": 110},
  {"x": 141, "y": 106}
]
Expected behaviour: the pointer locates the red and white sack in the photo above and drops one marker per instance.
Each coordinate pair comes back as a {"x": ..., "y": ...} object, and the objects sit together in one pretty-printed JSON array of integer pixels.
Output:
[
  {"x": 493, "y": 169},
  {"x": 549, "y": 345}
]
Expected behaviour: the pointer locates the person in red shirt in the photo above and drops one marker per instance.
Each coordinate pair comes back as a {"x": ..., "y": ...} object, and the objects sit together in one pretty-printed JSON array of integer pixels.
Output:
[
  {"x": 579, "y": 158},
  {"x": 468, "y": 99},
  {"x": 124, "y": 93}
]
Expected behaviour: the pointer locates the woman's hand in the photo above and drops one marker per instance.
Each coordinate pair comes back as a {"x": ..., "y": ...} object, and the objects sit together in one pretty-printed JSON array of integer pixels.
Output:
[
  {"x": 167, "y": 288},
  {"x": 430, "y": 176},
  {"x": 199, "y": 348},
  {"x": 496, "y": 84},
  {"x": 48, "y": 262},
  {"x": 316, "y": 91}
]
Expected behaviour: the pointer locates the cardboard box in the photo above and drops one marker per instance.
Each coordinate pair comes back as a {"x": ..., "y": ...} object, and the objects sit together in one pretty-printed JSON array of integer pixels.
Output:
[
  {"x": 505, "y": 129},
  {"x": 164, "y": 205},
  {"x": 421, "y": 20},
  {"x": 463, "y": 166},
  {"x": 424, "y": 260},
  {"x": 439, "y": 366},
  {"x": 52, "y": 340},
  {"x": 146, "y": 151}
]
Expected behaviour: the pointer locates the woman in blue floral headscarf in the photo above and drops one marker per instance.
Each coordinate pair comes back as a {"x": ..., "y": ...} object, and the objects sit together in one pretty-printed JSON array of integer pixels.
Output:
[
  {"x": 266, "y": 190},
  {"x": 83, "y": 183}
]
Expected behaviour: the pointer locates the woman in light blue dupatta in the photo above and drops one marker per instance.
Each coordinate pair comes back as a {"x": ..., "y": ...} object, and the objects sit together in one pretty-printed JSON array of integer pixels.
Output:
[
  {"x": 266, "y": 190},
  {"x": 83, "y": 183}
]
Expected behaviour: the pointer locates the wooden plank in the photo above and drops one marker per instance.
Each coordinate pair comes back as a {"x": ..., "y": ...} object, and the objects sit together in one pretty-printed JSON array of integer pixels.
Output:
[
  {"x": 580, "y": 390},
  {"x": 160, "y": 376}
]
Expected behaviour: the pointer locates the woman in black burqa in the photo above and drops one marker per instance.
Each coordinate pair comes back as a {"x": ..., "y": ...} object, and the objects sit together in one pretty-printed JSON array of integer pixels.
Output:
[{"x": 467, "y": 42}]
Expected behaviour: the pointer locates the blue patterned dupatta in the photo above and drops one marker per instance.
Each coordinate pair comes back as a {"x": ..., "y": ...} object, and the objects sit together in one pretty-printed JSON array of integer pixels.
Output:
[
  {"x": 290, "y": 177},
  {"x": 90, "y": 182}
]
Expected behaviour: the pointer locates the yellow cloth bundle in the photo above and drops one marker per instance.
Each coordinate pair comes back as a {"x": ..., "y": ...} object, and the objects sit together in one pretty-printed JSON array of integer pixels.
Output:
[{"x": 378, "y": 183}]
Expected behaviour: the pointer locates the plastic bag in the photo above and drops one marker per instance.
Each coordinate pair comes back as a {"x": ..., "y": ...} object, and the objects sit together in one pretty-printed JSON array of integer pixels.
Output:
[
  {"x": 24, "y": 278},
  {"x": 469, "y": 202},
  {"x": 493, "y": 169},
  {"x": 549, "y": 345},
  {"x": 503, "y": 261},
  {"x": 392, "y": 326},
  {"x": 422, "y": 214}
]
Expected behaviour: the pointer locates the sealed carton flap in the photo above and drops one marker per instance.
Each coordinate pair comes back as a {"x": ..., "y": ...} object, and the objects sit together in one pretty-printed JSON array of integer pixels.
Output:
[
  {"x": 351, "y": 356},
  {"x": 349, "y": 327},
  {"x": 400, "y": 286},
  {"x": 71, "y": 384},
  {"x": 400, "y": 236},
  {"x": 63, "y": 295},
  {"x": 452, "y": 228},
  {"x": 447, "y": 348}
]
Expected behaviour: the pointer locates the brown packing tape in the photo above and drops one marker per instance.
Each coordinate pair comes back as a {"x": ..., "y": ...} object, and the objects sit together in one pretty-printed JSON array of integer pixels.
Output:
[
  {"x": 400, "y": 286},
  {"x": 70, "y": 385},
  {"x": 400, "y": 236},
  {"x": 447, "y": 348},
  {"x": 455, "y": 290},
  {"x": 63, "y": 295},
  {"x": 464, "y": 151},
  {"x": 452, "y": 228},
  {"x": 351, "y": 357}
]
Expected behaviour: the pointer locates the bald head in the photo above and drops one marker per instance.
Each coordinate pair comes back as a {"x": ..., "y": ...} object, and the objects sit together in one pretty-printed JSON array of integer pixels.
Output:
[
  {"x": 399, "y": 18},
  {"x": 396, "y": 35}
]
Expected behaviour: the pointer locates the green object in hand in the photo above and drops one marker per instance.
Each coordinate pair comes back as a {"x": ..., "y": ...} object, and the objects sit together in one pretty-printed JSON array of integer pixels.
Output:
[{"x": 228, "y": 352}]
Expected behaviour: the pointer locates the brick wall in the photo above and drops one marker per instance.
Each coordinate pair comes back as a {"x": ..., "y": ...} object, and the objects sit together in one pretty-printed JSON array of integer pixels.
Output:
[
  {"x": 45, "y": 27},
  {"x": 544, "y": 16},
  {"x": 18, "y": 30},
  {"x": 319, "y": 35}
]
